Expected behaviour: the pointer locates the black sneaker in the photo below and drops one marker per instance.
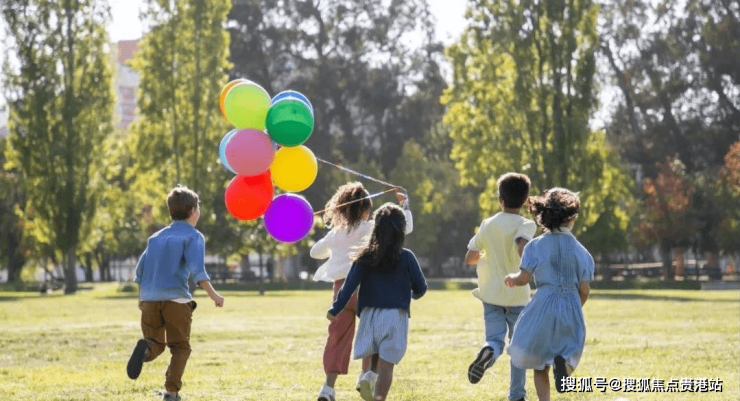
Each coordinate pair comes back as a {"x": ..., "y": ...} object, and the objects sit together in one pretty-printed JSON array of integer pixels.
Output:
[
  {"x": 560, "y": 372},
  {"x": 168, "y": 397},
  {"x": 135, "y": 362},
  {"x": 483, "y": 361}
]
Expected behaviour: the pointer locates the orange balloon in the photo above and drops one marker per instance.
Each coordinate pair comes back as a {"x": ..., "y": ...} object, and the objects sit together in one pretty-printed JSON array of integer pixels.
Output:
[{"x": 226, "y": 90}]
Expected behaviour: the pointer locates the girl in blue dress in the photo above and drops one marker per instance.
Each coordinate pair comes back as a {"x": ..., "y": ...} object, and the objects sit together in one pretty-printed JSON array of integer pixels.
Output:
[{"x": 551, "y": 330}]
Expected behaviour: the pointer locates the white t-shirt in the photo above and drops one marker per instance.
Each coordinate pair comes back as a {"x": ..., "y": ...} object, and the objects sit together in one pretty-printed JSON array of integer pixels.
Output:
[
  {"x": 496, "y": 240},
  {"x": 341, "y": 245}
]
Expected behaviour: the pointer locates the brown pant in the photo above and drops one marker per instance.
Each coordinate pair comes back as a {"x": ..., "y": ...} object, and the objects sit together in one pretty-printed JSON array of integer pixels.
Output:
[
  {"x": 338, "y": 347},
  {"x": 168, "y": 323}
]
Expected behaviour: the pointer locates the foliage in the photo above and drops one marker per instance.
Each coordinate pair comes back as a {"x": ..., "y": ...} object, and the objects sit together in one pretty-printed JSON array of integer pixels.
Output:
[{"x": 61, "y": 106}]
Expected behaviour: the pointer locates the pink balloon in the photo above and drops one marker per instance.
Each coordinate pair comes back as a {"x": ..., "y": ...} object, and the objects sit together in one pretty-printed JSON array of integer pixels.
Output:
[{"x": 250, "y": 152}]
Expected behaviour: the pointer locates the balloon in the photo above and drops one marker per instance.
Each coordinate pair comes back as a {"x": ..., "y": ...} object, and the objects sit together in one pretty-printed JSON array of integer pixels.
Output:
[
  {"x": 226, "y": 89},
  {"x": 294, "y": 169},
  {"x": 246, "y": 106},
  {"x": 289, "y": 218},
  {"x": 249, "y": 152},
  {"x": 291, "y": 95},
  {"x": 248, "y": 198},
  {"x": 222, "y": 150},
  {"x": 289, "y": 122}
]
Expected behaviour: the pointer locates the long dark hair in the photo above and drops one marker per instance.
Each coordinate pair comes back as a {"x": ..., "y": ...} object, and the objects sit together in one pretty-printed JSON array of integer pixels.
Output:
[
  {"x": 554, "y": 207},
  {"x": 348, "y": 216},
  {"x": 382, "y": 251}
]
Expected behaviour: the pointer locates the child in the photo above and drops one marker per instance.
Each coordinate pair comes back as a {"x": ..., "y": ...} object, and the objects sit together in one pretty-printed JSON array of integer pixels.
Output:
[
  {"x": 496, "y": 248},
  {"x": 388, "y": 276},
  {"x": 551, "y": 329},
  {"x": 171, "y": 256},
  {"x": 349, "y": 225}
]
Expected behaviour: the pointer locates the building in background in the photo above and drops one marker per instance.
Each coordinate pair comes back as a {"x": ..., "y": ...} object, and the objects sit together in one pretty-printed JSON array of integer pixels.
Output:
[{"x": 126, "y": 82}]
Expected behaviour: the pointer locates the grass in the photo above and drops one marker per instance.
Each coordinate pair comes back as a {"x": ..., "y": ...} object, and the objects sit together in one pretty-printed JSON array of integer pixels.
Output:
[{"x": 269, "y": 347}]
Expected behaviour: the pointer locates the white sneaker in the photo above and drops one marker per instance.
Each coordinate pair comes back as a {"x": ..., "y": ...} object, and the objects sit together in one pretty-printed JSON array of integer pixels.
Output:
[
  {"x": 359, "y": 379},
  {"x": 367, "y": 385},
  {"x": 327, "y": 393}
]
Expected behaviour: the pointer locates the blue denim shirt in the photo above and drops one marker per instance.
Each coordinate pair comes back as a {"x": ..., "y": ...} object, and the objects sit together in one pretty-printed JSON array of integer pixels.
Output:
[{"x": 171, "y": 256}]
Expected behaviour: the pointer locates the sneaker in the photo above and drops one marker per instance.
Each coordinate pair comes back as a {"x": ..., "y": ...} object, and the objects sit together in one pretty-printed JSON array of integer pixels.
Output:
[
  {"x": 326, "y": 393},
  {"x": 367, "y": 385},
  {"x": 483, "y": 361},
  {"x": 560, "y": 372},
  {"x": 136, "y": 361},
  {"x": 169, "y": 397}
]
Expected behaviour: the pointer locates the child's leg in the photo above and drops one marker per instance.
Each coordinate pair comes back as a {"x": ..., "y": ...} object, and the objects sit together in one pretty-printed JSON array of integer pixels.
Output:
[
  {"x": 338, "y": 349},
  {"x": 542, "y": 383},
  {"x": 518, "y": 376},
  {"x": 177, "y": 319},
  {"x": 385, "y": 378},
  {"x": 152, "y": 327},
  {"x": 494, "y": 318}
]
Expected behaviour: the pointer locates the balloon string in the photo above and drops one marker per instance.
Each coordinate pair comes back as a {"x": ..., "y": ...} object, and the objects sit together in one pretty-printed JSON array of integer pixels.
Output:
[
  {"x": 356, "y": 200},
  {"x": 357, "y": 173}
]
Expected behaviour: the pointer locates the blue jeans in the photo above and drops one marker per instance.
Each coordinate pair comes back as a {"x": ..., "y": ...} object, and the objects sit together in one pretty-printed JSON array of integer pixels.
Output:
[{"x": 498, "y": 319}]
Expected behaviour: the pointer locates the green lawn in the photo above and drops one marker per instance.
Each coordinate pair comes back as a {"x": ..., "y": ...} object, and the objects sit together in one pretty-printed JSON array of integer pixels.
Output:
[{"x": 269, "y": 347}]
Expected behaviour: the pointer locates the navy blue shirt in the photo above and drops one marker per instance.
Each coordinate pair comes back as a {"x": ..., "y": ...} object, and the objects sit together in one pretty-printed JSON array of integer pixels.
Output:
[
  {"x": 172, "y": 255},
  {"x": 383, "y": 290}
]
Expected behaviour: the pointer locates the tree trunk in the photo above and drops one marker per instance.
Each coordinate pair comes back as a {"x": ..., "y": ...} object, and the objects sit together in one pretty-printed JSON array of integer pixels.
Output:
[
  {"x": 262, "y": 274},
  {"x": 665, "y": 254},
  {"x": 16, "y": 260},
  {"x": 244, "y": 266},
  {"x": 70, "y": 273},
  {"x": 88, "y": 269},
  {"x": 679, "y": 259}
]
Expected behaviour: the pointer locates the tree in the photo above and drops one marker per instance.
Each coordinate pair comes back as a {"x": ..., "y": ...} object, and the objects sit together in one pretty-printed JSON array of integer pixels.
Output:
[
  {"x": 61, "y": 106},
  {"x": 674, "y": 64},
  {"x": 12, "y": 197},
  {"x": 522, "y": 96},
  {"x": 182, "y": 63}
]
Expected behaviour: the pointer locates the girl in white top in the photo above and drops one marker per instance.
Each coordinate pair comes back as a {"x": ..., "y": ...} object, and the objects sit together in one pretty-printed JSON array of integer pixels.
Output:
[{"x": 350, "y": 225}]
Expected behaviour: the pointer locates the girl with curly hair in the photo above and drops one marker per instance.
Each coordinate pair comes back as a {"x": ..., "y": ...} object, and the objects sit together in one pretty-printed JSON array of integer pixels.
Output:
[
  {"x": 551, "y": 330},
  {"x": 348, "y": 215}
]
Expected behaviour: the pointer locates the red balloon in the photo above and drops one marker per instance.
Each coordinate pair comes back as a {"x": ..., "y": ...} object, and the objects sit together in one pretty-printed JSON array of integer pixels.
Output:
[{"x": 248, "y": 198}]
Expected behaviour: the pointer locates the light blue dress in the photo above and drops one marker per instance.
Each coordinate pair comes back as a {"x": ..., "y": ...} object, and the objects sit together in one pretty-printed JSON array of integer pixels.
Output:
[{"x": 552, "y": 323}]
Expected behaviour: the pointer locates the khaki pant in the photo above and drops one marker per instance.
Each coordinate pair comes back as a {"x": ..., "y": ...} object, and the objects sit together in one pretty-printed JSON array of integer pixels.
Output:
[{"x": 168, "y": 323}]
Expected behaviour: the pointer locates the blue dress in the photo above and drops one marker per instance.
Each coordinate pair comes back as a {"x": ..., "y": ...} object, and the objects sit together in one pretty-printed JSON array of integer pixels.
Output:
[{"x": 552, "y": 323}]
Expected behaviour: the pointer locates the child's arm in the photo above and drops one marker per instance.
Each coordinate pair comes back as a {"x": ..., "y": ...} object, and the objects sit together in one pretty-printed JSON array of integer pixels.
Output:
[
  {"x": 584, "y": 288},
  {"x": 322, "y": 249},
  {"x": 418, "y": 282},
  {"x": 345, "y": 293},
  {"x": 518, "y": 279},
  {"x": 472, "y": 257},
  {"x": 521, "y": 243},
  {"x": 217, "y": 299},
  {"x": 403, "y": 201}
]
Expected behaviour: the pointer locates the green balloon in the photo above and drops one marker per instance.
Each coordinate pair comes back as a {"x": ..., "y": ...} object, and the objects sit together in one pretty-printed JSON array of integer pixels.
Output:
[
  {"x": 289, "y": 122},
  {"x": 246, "y": 106}
]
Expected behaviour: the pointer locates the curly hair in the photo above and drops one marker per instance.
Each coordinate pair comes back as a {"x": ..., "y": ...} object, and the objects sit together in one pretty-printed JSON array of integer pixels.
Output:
[
  {"x": 348, "y": 216},
  {"x": 383, "y": 248},
  {"x": 554, "y": 207}
]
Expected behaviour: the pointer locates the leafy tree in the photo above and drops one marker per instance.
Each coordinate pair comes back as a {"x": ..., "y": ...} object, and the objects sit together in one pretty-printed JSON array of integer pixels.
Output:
[
  {"x": 61, "y": 106},
  {"x": 522, "y": 95},
  {"x": 12, "y": 197},
  {"x": 182, "y": 63}
]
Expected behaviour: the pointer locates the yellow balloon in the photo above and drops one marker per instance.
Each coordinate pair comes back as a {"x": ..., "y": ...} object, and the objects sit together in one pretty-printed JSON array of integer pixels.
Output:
[{"x": 294, "y": 168}]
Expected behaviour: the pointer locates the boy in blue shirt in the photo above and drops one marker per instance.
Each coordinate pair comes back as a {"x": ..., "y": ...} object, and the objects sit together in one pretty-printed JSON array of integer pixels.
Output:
[{"x": 171, "y": 256}]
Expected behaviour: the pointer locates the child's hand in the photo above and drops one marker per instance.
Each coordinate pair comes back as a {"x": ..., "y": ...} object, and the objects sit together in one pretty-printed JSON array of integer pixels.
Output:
[
  {"x": 218, "y": 300},
  {"x": 330, "y": 316},
  {"x": 401, "y": 196},
  {"x": 509, "y": 280}
]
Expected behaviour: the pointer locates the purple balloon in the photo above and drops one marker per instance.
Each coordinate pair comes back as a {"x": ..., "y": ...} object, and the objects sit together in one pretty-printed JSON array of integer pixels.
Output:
[{"x": 289, "y": 218}]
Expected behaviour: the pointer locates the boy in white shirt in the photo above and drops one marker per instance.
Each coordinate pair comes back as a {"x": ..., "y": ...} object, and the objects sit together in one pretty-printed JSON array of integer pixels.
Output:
[{"x": 497, "y": 250}]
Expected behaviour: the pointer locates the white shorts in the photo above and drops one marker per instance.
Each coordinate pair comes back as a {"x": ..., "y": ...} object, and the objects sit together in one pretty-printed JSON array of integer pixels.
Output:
[{"x": 383, "y": 332}]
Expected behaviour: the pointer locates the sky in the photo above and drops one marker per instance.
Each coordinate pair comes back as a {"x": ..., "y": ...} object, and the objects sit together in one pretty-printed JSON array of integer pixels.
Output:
[{"x": 449, "y": 15}]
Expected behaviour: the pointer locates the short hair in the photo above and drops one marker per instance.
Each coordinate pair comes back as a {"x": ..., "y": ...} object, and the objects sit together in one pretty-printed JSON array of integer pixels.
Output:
[
  {"x": 513, "y": 189},
  {"x": 181, "y": 201}
]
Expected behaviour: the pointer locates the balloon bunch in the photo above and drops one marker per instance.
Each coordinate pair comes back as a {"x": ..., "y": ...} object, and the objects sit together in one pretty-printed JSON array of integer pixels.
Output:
[{"x": 264, "y": 150}]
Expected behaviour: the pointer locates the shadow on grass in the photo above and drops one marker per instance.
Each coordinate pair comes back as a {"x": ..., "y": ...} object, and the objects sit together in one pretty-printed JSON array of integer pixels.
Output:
[{"x": 655, "y": 297}]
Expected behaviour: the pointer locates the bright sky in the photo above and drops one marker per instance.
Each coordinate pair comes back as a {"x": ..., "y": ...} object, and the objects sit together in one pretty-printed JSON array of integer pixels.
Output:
[{"x": 126, "y": 25}]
